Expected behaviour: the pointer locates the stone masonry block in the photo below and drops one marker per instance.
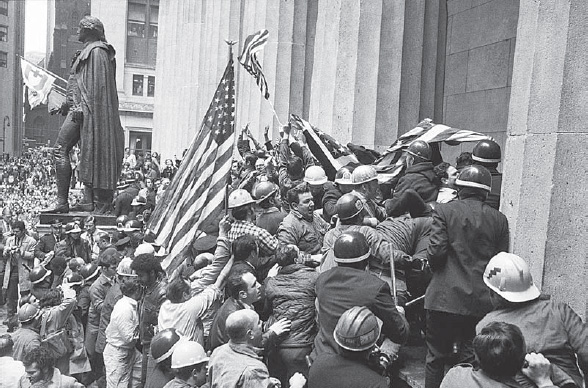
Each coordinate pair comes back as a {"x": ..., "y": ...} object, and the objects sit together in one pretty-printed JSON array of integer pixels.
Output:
[
  {"x": 488, "y": 66},
  {"x": 457, "y": 6},
  {"x": 489, "y": 23},
  {"x": 484, "y": 111},
  {"x": 456, "y": 71}
]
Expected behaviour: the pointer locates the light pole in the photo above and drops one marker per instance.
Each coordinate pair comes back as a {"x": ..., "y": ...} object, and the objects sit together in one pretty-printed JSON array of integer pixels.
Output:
[{"x": 6, "y": 124}]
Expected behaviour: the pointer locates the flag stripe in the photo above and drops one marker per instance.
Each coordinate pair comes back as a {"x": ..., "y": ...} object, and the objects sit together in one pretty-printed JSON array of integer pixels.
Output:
[
  {"x": 248, "y": 59},
  {"x": 196, "y": 194}
]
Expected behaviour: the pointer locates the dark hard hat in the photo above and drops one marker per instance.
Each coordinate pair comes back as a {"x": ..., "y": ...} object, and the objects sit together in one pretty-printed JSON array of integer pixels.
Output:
[
  {"x": 133, "y": 226},
  {"x": 357, "y": 329},
  {"x": 163, "y": 344},
  {"x": 475, "y": 176},
  {"x": 487, "y": 151},
  {"x": 72, "y": 227},
  {"x": 89, "y": 271},
  {"x": 348, "y": 206},
  {"x": 38, "y": 274},
  {"x": 27, "y": 312},
  {"x": 121, "y": 221},
  {"x": 264, "y": 190},
  {"x": 420, "y": 149},
  {"x": 74, "y": 279},
  {"x": 351, "y": 247}
]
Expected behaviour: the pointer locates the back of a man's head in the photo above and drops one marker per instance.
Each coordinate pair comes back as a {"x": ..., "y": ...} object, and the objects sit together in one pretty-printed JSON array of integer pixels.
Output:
[
  {"x": 240, "y": 323},
  {"x": 500, "y": 349},
  {"x": 295, "y": 167},
  {"x": 243, "y": 246},
  {"x": 41, "y": 356}
]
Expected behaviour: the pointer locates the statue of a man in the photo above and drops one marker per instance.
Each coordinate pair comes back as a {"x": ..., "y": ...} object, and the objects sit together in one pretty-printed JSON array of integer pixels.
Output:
[{"x": 93, "y": 120}]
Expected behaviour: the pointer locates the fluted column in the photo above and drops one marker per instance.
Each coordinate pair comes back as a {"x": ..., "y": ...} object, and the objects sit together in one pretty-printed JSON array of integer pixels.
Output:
[{"x": 545, "y": 186}]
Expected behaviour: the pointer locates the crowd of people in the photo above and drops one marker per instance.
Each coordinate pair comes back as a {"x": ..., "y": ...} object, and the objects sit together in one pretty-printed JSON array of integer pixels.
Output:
[{"x": 309, "y": 282}]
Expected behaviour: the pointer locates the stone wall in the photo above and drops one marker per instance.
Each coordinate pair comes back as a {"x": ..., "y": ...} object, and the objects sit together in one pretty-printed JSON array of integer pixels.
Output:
[{"x": 481, "y": 37}]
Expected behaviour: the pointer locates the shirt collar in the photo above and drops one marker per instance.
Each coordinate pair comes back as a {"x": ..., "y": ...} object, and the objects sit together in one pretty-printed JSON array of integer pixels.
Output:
[{"x": 246, "y": 349}]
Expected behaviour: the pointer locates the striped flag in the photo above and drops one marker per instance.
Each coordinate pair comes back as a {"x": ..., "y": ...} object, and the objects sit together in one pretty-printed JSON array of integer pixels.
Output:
[
  {"x": 194, "y": 201},
  {"x": 248, "y": 59},
  {"x": 392, "y": 161},
  {"x": 331, "y": 154}
]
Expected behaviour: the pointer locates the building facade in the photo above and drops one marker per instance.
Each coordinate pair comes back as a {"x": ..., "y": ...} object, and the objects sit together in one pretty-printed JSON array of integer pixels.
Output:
[
  {"x": 132, "y": 28},
  {"x": 11, "y": 45},
  {"x": 368, "y": 71}
]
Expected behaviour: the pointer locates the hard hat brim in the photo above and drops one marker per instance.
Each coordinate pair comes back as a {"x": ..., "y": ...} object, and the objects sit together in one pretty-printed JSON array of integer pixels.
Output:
[
  {"x": 484, "y": 160},
  {"x": 476, "y": 185},
  {"x": 266, "y": 196},
  {"x": 42, "y": 277},
  {"x": 343, "y": 181},
  {"x": 516, "y": 297},
  {"x": 352, "y": 259},
  {"x": 365, "y": 181},
  {"x": 316, "y": 183},
  {"x": 234, "y": 206}
]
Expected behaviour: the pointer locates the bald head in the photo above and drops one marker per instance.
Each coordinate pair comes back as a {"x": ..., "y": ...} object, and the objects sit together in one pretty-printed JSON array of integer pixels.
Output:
[{"x": 240, "y": 324}]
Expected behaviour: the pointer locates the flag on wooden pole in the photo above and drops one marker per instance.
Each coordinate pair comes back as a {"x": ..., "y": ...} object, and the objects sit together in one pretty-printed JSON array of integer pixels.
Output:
[
  {"x": 38, "y": 81},
  {"x": 248, "y": 59},
  {"x": 194, "y": 200}
]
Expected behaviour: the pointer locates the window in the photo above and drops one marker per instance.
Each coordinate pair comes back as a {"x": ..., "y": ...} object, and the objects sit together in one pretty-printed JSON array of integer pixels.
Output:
[
  {"x": 137, "y": 85},
  {"x": 150, "y": 86},
  {"x": 4, "y": 7},
  {"x": 3, "y": 59},
  {"x": 142, "y": 31},
  {"x": 3, "y": 33}
]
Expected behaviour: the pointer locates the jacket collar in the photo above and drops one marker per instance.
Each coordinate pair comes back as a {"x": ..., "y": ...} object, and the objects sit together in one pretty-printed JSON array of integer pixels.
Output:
[{"x": 245, "y": 349}]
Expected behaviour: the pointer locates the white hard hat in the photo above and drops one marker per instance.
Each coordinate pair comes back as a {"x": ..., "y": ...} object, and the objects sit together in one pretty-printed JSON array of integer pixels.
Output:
[
  {"x": 315, "y": 175},
  {"x": 508, "y": 275},
  {"x": 364, "y": 174},
  {"x": 188, "y": 353},
  {"x": 240, "y": 197},
  {"x": 144, "y": 248}
]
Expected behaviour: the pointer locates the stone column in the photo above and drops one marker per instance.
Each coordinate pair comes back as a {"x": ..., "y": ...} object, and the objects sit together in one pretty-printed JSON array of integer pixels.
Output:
[{"x": 545, "y": 186}]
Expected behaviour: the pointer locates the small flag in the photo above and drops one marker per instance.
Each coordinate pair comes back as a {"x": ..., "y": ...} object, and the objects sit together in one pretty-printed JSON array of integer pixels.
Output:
[
  {"x": 248, "y": 59},
  {"x": 194, "y": 201},
  {"x": 331, "y": 154},
  {"x": 38, "y": 82}
]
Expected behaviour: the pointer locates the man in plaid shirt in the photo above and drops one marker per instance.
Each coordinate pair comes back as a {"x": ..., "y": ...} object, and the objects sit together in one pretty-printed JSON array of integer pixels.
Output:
[{"x": 240, "y": 202}]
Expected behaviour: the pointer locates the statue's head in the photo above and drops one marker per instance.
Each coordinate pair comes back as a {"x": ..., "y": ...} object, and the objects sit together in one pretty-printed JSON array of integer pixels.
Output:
[{"x": 91, "y": 28}]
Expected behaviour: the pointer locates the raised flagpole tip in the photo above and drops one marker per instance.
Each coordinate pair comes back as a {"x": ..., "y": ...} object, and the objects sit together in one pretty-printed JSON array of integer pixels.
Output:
[{"x": 231, "y": 42}]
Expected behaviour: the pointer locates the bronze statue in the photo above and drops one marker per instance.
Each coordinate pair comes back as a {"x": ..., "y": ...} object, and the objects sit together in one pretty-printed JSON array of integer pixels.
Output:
[{"x": 93, "y": 120}]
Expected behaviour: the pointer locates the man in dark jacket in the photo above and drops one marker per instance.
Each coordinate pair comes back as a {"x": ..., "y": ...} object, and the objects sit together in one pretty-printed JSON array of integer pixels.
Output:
[
  {"x": 73, "y": 245},
  {"x": 343, "y": 185},
  {"x": 47, "y": 242},
  {"x": 487, "y": 153},
  {"x": 349, "y": 285},
  {"x": 465, "y": 235},
  {"x": 419, "y": 174}
]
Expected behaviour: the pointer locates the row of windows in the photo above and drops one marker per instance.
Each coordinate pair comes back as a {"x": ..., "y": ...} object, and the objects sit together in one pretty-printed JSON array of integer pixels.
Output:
[
  {"x": 142, "y": 31},
  {"x": 3, "y": 33},
  {"x": 4, "y": 7},
  {"x": 3, "y": 59},
  {"x": 139, "y": 81}
]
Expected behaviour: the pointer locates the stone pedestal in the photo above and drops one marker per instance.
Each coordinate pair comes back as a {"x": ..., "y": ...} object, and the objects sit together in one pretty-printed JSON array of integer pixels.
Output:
[{"x": 545, "y": 186}]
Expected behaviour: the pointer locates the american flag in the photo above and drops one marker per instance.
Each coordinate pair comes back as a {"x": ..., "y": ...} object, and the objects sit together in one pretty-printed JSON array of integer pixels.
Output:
[
  {"x": 195, "y": 198},
  {"x": 248, "y": 59},
  {"x": 331, "y": 154},
  {"x": 392, "y": 161}
]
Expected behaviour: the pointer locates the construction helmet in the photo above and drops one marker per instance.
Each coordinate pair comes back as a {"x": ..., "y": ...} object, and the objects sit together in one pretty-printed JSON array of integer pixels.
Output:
[
  {"x": 133, "y": 226},
  {"x": 487, "y": 151},
  {"x": 357, "y": 329},
  {"x": 188, "y": 353},
  {"x": 144, "y": 248},
  {"x": 363, "y": 174},
  {"x": 74, "y": 279},
  {"x": 124, "y": 268},
  {"x": 139, "y": 200},
  {"x": 240, "y": 197},
  {"x": 420, "y": 149},
  {"x": 315, "y": 176},
  {"x": 264, "y": 190},
  {"x": 72, "y": 227},
  {"x": 475, "y": 176},
  {"x": 508, "y": 275},
  {"x": 351, "y": 247},
  {"x": 164, "y": 343},
  {"x": 343, "y": 175},
  {"x": 27, "y": 312},
  {"x": 121, "y": 221},
  {"x": 89, "y": 271},
  {"x": 348, "y": 206},
  {"x": 38, "y": 274}
]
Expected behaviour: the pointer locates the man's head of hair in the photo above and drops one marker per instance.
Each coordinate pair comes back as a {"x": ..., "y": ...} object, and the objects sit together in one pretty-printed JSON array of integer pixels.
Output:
[
  {"x": 295, "y": 192},
  {"x": 250, "y": 159},
  {"x": 500, "y": 349},
  {"x": 243, "y": 246},
  {"x": 130, "y": 289},
  {"x": 52, "y": 298},
  {"x": 41, "y": 356},
  {"x": 295, "y": 167},
  {"x": 18, "y": 224},
  {"x": 236, "y": 284},
  {"x": 176, "y": 290},
  {"x": 6, "y": 345},
  {"x": 240, "y": 323},
  {"x": 146, "y": 262},
  {"x": 241, "y": 213},
  {"x": 464, "y": 159},
  {"x": 440, "y": 170},
  {"x": 286, "y": 255}
]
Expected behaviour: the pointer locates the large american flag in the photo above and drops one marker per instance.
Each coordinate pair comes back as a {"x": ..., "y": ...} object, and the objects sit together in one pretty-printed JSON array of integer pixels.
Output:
[
  {"x": 194, "y": 200},
  {"x": 248, "y": 59},
  {"x": 331, "y": 154}
]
